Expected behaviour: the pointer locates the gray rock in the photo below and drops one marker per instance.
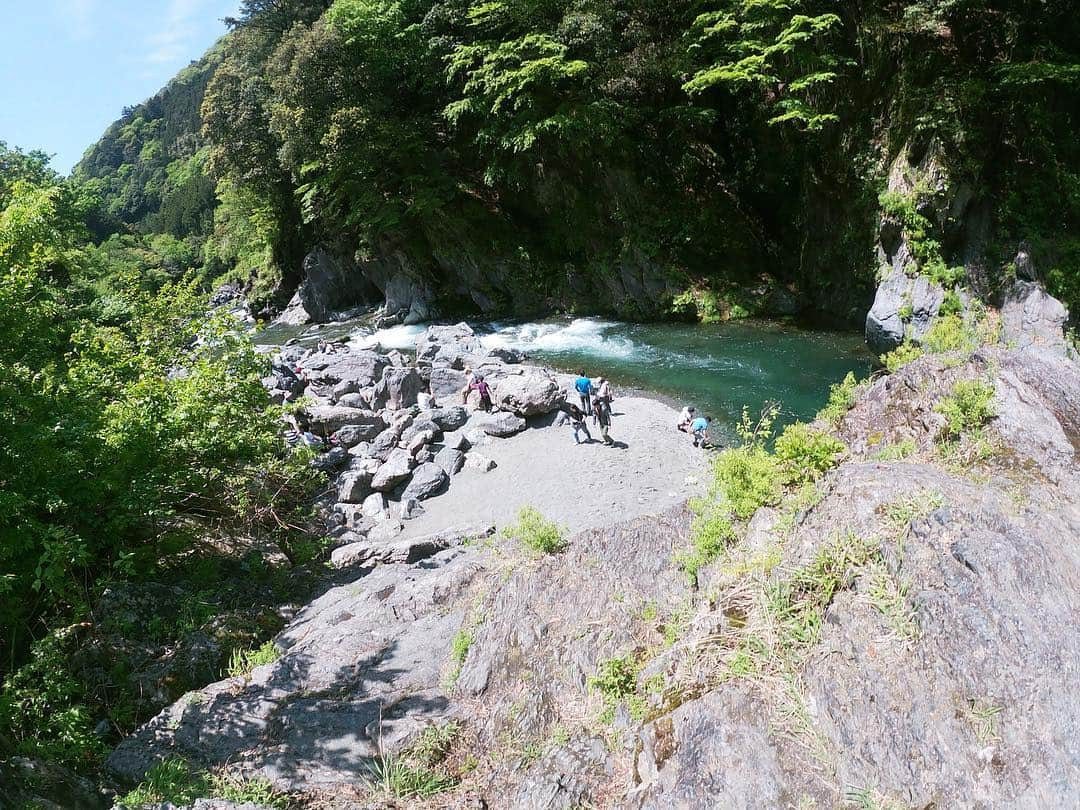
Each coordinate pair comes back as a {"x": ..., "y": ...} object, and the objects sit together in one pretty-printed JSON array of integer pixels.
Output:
[
  {"x": 398, "y": 388},
  {"x": 362, "y": 367},
  {"x": 418, "y": 442},
  {"x": 327, "y": 419},
  {"x": 375, "y": 506},
  {"x": 420, "y": 426},
  {"x": 332, "y": 282},
  {"x": 353, "y": 487},
  {"x": 345, "y": 387},
  {"x": 530, "y": 393},
  {"x": 475, "y": 461},
  {"x": 385, "y": 443},
  {"x": 451, "y": 460},
  {"x": 455, "y": 441},
  {"x": 427, "y": 480},
  {"x": 563, "y": 778},
  {"x": 453, "y": 346},
  {"x": 446, "y": 384},
  {"x": 424, "y": 456},
  {"x": 449, "y": 417},
  {"x": 885, "y": 326},
  {"x": 351, "y": 435},
  {"x": 507, "y": 355},
  {"x": 333, "y": 459},
  {"x": 396, "y": 469},
  {"x": 500, "y": 424},
  {"x": 1032, "y": 319},
  {"x": 410, "y": 508},
  {"x": 356, "y": 400}
]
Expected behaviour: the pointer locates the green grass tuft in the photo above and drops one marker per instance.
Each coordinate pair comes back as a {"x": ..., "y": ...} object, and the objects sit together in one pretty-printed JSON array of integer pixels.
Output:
[{"x": 533, "y": 531}]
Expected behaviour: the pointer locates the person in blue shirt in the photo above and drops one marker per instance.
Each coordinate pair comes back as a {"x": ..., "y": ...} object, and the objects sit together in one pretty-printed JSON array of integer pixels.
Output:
[
  {"x": 699, "y": 429},
  {"x": 583, "y": 385}
]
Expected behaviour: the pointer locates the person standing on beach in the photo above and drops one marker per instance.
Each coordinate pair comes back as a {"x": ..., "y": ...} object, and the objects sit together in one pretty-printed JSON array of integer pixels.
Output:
[
  {"x": 602, "y": 411},
  {"x": 583, "y": 385},
  {"x": 603, "y": 391}
]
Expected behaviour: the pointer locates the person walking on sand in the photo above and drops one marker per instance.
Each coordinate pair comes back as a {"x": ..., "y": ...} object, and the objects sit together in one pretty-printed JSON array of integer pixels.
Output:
[
  {"x": 686, "y": 417},
  {"x": 577, "y": 424},
  {"x": 602, "y": 412},
  {"x": 583, "y": 385},
  {"x": 699, "y": 428}
]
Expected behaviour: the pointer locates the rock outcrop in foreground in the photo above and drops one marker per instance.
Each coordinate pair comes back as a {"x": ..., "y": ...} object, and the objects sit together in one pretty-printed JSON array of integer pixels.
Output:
[{"x": 901, "y": 634}]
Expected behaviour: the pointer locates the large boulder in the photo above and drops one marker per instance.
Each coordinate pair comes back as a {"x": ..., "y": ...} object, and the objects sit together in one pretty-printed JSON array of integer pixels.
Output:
[
  {"x": 398, "y": 388},
  {"x": 903, "y": 307},
  {"x": 450, "y": 417},
  {"x": 452, "y": 346},
  {"x": 362, "y": 367},
  {"x": 354, "y": 486},
  {"x": 530, "y": 393},
  {"x": 427, "y": 480},
  {"x": 451, "y": 460},
  {"x": 328, "y": 419},
  {"x": 351, "y": 435},
  {"x": 1030, "y": 318},
  {"x": 395, "y": 470},
  {"x": 500, "y": 424},
  {"x": 446, "y": 384}
]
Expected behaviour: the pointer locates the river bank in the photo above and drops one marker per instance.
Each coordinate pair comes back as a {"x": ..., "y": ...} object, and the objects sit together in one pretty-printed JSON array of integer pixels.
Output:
[{"x": 720, "y": 368}]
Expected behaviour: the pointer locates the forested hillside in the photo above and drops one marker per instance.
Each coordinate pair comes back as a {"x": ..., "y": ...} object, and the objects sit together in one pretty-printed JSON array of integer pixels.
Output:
[{"x": 649, "y": 158}]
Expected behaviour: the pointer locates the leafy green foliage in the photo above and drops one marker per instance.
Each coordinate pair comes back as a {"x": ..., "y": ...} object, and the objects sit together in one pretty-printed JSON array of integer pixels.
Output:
[
  {"x": 806, "y": 453},
  {"x": 43, "y": 707},
  {"x": 136, "y": 434},
  {"x": 242, "y": 662},
  {"x": 907, "y": 352},
  {"x": 173, "y": 780},
  {"x": 968, "y": 407},
  {"x": 536, "y": 533},
  {"x": 775, "y": 46},
  {"x": 841, "y": 399},
  {"x": 616, "y": 682}
]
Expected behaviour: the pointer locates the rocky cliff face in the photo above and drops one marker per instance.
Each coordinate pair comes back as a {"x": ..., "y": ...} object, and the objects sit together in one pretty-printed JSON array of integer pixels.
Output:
[{"x": 900, "y": 634}]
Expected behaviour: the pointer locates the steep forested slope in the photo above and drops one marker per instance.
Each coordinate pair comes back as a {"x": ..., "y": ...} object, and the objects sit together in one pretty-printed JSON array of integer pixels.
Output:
[{"x": 649, "y": 158}]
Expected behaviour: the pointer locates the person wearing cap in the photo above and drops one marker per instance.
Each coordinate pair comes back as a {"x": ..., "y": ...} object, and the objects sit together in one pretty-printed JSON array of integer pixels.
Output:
[{"x": 686, "y": 417}]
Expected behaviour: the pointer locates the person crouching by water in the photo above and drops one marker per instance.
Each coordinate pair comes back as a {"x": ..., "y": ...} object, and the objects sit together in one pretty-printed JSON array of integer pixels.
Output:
[
  {"x": 699, "y": 429},
  {"x": 583, "y": 385},
  {"x": 685, "y": 418},
  {"x": 602, "y": 412},
  {"x": 577, "y": 424},
  {"x": 483, "y": 390}
]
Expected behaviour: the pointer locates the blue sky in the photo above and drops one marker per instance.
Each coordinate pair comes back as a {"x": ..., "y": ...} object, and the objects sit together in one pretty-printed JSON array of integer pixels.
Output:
[{"x": 68, "y": 67}]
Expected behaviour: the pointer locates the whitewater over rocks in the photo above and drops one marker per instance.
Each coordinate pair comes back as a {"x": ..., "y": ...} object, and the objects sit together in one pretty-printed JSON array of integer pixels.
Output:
[{"x": 943, "y": 673}]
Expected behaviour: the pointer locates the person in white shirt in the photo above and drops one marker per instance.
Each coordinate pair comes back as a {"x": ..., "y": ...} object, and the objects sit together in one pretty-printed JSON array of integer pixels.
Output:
[{"x": 686, "y": 417}]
